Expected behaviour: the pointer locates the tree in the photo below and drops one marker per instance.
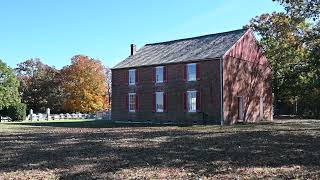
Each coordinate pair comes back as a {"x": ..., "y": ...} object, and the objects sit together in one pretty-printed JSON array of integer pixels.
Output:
[
  {"x": 311, "y": 92},
  {"x": 281, "y": 37},
  {"x": 84, "y": 84},
  {"x": 41, "y": 86},
  {"x": 302, "y": 8},
  {"x": 289, "y": 39},
  {"x": 9, "y": 85},
  {"x": 108, "y": 85}
]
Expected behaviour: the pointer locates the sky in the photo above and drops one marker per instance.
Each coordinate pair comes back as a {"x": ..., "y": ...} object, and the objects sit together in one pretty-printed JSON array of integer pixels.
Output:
[{"x": 54, "y": 31}]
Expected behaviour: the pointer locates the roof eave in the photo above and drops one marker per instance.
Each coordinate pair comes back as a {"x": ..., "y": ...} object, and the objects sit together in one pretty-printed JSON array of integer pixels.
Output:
[{"x": 161, "y": 64}]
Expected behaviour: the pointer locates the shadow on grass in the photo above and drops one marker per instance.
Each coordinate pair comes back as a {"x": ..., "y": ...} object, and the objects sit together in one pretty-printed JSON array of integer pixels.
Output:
[
  {"x": 95, "y": 124},
  {"x": 97, "y": 153}
]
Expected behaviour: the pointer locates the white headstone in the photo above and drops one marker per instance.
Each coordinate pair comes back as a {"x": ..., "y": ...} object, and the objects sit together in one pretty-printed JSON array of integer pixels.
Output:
[
  {"x": 48, "y": 113},
  {"x": 31, "y": 114}
]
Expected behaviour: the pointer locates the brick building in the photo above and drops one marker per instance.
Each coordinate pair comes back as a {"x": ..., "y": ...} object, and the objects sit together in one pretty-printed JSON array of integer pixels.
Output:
[{"x": 212, "y": 79}]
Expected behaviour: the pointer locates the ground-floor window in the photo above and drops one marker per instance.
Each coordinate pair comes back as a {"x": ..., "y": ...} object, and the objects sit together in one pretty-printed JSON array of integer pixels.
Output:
[
  {"x": 132, "y": 102},
  {"x": 192, "y": 101},
  {"x": 159, "y": 102}
]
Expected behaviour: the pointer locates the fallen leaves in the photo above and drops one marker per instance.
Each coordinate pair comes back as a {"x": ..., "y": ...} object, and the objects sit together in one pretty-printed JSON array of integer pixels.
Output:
[{"x": 280, "y": 150}]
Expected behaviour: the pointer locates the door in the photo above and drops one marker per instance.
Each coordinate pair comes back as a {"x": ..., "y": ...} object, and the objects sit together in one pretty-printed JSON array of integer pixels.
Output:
[
  {"x": 240, "y": 108},
  {"x": 261, "y": 107}
]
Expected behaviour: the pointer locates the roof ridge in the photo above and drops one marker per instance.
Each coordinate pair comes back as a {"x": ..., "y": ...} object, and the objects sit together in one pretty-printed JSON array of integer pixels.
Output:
[{"x": 196, "y": 37}]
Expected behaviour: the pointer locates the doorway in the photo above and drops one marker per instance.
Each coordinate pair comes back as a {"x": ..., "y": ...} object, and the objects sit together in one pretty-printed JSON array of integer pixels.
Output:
[
  {"x": 261, "y": 107},
  {"x": 240, "y": 108}
]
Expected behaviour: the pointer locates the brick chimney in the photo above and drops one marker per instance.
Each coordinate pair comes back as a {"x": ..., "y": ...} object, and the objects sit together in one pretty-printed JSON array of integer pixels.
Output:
[{"x": 133, "y": 49}]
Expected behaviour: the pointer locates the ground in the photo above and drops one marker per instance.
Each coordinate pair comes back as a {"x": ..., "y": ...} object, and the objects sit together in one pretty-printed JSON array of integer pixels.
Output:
[{"x": 96, "y": 149}]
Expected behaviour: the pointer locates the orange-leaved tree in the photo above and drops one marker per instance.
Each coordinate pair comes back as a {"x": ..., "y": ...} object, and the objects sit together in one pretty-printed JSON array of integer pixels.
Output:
[{"x": 84, "y": 84}]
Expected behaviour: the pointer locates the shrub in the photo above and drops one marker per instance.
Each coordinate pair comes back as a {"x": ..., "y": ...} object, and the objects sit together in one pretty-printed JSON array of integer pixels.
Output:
[{"x": 17, "y": 112}]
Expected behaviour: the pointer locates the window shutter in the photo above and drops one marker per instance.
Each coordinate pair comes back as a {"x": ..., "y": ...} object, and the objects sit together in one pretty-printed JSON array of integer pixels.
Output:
[
  {"x": 198, "y": 71},
  {"x": 185, "y": 101},
  {"x": 126, "y": 77},
  {"x": 165, "y": 74},
  {"x": 127, "y": 102},
  {"x": 165, "y": 102},
  {"x": 154, "y": 102},
  {"x": 185, "y": 72},
  {"x": 153, "y": 75},
  {"x": 198, "y": 101},
  {"x": 137, "y": 102},
  {"x": 137, "y": 76}
]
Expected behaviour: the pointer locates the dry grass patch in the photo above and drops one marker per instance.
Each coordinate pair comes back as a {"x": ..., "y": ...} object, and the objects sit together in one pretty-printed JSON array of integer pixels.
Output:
[{"x": 284, "y": 149}]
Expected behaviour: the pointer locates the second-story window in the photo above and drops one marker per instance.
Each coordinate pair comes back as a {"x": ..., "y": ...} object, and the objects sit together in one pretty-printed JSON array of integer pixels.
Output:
[
  {"x": 132, "y": 77},
  {"x": 159, "y": 74},
  {"x": 191, "y": 72}
]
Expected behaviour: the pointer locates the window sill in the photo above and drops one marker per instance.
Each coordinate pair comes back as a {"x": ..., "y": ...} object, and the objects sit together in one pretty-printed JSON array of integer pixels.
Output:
[
  {"x": 160, "y": 83},
  {"x": 192, "y": 80},
  {"x": 160, "y": 112}
]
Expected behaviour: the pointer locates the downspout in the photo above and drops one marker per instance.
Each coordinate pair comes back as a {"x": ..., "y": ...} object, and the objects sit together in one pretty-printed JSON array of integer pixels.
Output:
[{"x": 221, "y": 92}]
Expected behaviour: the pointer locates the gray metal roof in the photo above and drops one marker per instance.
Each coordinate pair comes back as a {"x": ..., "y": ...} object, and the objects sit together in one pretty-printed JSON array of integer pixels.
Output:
[{"x": 210, "y": 46}]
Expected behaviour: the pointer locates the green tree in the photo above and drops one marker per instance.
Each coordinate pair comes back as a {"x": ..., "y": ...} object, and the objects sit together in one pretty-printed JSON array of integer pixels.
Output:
[
  {"x": 302, "y": 8},
  {"x": 281, "y": 37},
  {"x": 40, "y": 86},
  {"x": 291, "y": 43},
  {"x": 311, "y": 91},
  {"x": 9, "y": 85}
]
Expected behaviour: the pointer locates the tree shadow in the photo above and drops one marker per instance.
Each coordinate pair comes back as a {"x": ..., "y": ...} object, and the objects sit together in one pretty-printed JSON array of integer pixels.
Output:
[
  {"x": 99, "y": 153},
  {"x": 98, "y": 124}
]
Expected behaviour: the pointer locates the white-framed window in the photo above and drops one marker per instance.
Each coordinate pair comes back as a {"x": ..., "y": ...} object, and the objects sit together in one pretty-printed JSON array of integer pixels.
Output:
[
  {"x": 132, "y": 77},
  {"x": 192, "y": 72},
  {"x": 159, "y": 102},
  {"x": 159, "y": 74},
  {"x": 192, "y": 101},
  {"x": 132, "y": 102}
]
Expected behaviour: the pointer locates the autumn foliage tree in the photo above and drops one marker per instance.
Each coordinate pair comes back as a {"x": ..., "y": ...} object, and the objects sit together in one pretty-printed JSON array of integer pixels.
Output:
[
  {"x": 40, "y": 86},
  {"x": 84, "y": 84}
]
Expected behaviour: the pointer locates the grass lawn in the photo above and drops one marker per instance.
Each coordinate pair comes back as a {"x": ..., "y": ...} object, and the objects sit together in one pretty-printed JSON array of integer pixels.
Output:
[{"x": 88, "y": 149}]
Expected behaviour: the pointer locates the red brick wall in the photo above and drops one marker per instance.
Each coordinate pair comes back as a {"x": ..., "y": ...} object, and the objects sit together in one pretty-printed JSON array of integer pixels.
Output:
[
  {"x": 248, "y": 49},
  {"x": 246, "y": 73},
  {"x": 209, "y": 84}
]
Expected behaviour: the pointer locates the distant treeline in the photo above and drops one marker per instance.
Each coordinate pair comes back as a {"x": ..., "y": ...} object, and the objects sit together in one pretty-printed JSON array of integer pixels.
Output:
[{"x": 83, "y": 86}]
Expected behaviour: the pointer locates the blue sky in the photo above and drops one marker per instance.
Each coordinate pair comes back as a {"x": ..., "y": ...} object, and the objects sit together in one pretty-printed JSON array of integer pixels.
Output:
[{"x": 56, "y": 30}]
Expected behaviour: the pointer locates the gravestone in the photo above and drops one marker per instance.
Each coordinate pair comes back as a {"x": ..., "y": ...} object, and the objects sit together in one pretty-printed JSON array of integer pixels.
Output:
[{"x": 48, "y": 113}]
